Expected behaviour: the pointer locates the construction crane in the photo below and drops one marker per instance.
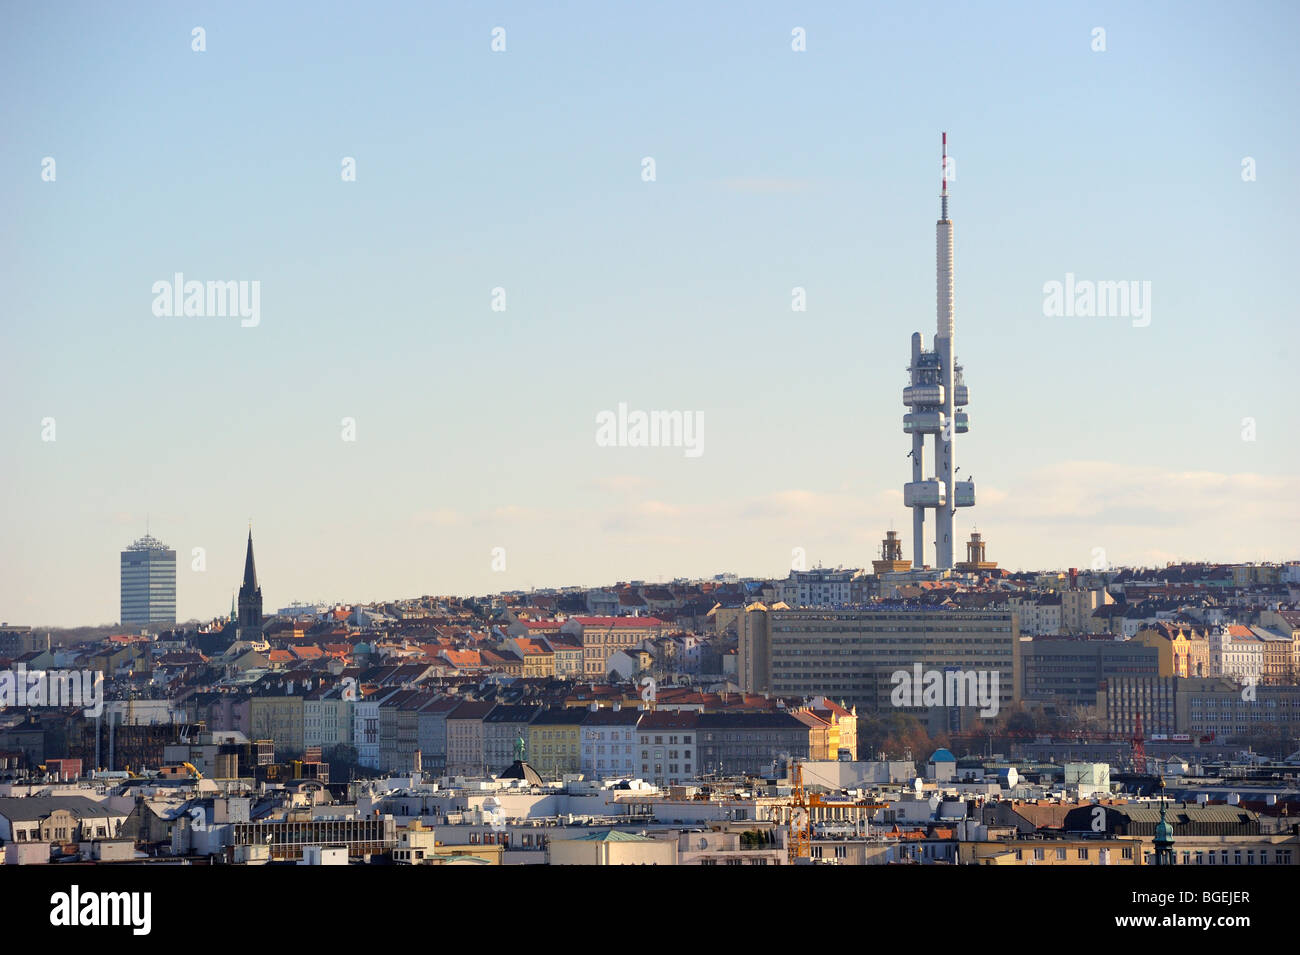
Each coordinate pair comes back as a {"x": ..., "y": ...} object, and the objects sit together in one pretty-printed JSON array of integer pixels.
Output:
[
  {"x": 1138, "y": 753},
  {"x": 800, "y": 840}
]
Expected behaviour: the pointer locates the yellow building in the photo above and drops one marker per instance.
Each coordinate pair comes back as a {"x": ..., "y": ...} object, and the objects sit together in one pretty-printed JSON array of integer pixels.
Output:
[
  {"x": 555, "y": 742},
  {"x": 567, "y": 649},
  {"x": 277, "y": 718},
  {"x": 1052, "y": 852},
  {"x": 1182, "y": 651},
  {"x": 537, "y": 656}
]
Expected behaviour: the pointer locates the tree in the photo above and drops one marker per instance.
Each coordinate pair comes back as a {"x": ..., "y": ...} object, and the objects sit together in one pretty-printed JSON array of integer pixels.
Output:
[{"x": 343, "y": 760}]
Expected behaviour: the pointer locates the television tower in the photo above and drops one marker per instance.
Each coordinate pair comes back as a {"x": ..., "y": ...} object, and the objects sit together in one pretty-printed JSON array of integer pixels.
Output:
[{"x": 937, "y": 395}]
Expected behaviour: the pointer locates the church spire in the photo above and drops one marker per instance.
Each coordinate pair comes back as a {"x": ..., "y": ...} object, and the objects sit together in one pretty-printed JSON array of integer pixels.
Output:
[
  {"x": 250, "y": 594},
  {"x": 250, "y": 569}
]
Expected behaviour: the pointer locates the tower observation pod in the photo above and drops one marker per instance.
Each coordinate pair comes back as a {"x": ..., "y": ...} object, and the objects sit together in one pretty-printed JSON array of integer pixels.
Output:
[{"x": 936, "y": 397}]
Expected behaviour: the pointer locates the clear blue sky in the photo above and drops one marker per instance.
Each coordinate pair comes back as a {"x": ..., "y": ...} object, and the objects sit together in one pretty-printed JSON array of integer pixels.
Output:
[{"x": 522, "y": 169}]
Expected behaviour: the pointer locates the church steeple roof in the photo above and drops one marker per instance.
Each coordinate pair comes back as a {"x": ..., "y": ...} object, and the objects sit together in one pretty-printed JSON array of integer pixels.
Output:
[
  {"x": 250, "y": 594},
  {"x": 250, "y": 569}
]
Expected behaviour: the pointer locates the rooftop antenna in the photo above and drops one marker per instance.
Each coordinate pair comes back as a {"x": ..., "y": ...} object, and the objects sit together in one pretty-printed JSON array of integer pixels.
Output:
[{"x": 943, "y": 166}]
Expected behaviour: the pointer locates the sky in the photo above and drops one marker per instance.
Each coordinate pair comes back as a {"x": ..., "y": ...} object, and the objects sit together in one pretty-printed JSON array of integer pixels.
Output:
[{"x": 387, "y": 425}]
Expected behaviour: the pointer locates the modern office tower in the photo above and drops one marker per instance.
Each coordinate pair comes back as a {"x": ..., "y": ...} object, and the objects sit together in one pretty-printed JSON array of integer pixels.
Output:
[
  {"x": 250, "y": 598},
  {"x": 936, "y": 394},
  {"x": 1071, "y": 671},
  {"x": 148, "y": 582}
]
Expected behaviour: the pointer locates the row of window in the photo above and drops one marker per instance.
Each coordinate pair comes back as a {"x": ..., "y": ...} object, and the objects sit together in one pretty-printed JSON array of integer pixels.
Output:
[
  {"x": 57, "y": 834},
  {"x": 756, "y": 861},
  {"x": 673, "y": 768},
  {"x": 1040, "y": 854},
  {"x": 1207, "y": 857}
]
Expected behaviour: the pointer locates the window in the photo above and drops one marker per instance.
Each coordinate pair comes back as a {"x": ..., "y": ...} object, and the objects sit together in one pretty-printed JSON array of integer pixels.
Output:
[{"x": 1083, "y": 853}]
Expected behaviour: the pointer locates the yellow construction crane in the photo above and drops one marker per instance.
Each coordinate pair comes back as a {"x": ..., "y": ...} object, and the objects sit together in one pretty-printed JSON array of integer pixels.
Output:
[
  {"x": 802, "y": 806},
  {"x": 800, "y": 840}
]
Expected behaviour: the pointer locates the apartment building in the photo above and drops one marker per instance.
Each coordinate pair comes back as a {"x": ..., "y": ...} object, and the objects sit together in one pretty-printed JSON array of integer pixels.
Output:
[
  {"x": 729, "y": 743},
  {"x": 666, "y": 747},
  {"x": 431, "y": 732},
  {"x": 820, "y": 587},
  {"x": 601, "y": 637},
  {"x": 608, "y": 744},
  {"x": 1236, "y": 654},
  {"x": 465, "y": 733},
  {"x": 555, "y": 742},
  {"x": 503, "y": 727},
  {"x": 1184, "y": 651},
  {"x": 327, "y": 719}
]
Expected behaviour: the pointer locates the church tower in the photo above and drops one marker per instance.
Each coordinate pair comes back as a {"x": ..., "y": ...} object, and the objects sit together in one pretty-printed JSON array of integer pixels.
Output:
[{"x": 250, "y": 598}]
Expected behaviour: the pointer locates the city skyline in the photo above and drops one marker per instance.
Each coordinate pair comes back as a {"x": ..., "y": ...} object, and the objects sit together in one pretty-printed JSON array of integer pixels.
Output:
[{"x": 475, "y": 430}]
